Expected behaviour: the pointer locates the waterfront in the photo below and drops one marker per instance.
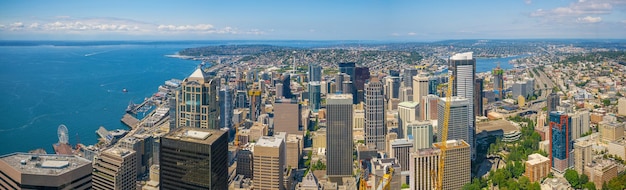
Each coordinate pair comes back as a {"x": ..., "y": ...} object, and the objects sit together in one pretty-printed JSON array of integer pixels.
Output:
[{"x": 79, "y": 86}]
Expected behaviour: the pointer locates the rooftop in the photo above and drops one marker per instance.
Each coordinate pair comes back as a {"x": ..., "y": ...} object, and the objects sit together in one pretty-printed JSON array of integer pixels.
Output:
[
  {"x": 43, "y": 164},
  {"x": 195, "y": 135},
  {"x": 409, "y": 104},
  {"x": 267, "y": 141},
  {"x": 536, "y": 159},
  {"x": 453, "y": 144},
  {"x": 462, "y": 56}
]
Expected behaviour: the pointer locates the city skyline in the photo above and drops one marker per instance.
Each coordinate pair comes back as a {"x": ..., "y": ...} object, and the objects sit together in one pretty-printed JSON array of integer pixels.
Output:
[{"x": 325, "y": 20}]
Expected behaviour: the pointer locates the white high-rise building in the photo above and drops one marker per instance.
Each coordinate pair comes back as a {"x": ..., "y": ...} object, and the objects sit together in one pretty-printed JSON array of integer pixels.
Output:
[
  {"x": 421, "y": 132},
  {"x": 463, "y": 67},
  {"x": 458, "y": 123},
  {"x": 407, "y": 112},
  {"x": 420, "y": 87}
]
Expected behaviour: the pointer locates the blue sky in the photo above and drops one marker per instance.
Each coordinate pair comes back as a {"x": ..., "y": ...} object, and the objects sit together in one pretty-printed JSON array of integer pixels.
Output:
[{"x": 311, "y": 20}]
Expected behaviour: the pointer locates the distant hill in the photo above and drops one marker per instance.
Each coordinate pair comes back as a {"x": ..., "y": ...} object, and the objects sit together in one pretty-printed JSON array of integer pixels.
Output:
[{"x": 232, "y": 50}]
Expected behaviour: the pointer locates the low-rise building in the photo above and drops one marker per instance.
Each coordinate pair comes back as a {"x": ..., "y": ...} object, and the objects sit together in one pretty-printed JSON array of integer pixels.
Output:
[
  {"x": 537, "y": 167},
  {"x": 601, "y": 171},
  {"x": 44, "y": 171}
]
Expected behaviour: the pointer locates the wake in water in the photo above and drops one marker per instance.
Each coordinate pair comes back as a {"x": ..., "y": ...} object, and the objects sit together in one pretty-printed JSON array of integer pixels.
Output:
[
  {"x": 31, "y": 122},
  {"x": 96, "y": 53}
]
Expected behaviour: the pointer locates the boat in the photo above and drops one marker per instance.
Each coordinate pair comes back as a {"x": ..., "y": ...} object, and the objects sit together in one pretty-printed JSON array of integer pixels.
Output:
[{"x": 124, "y": 90}]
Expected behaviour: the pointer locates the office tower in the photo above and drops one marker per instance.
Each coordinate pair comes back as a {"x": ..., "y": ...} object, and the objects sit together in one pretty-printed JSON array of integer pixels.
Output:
[
  {"x": 463, "y": 67},
  {"x": 519, "y": 89},
  {"x": 279, "y": 90},
  {"x": 339, "y": 135},
  {"x": 294, "y": 146},
  {"x": 457, "y": 170},
  {"x": 407, "y": 112},
  {"x": 406, "y": 94},
  {"x": 580, "y": 123},
  {"x": 537, "y": 167},
  {"x": 115, "y": 168},
  {"x": 498, "y": 82},
  {"x": 530, "y": 86},
  {"x": 457, "y": 125},
  {"x": 407, "y": 76},
  {"x": 269, "y": 163},
  {"x": 286, "y": 90},
  {"x": 421, "y": 165},
  {"x": 241, "y": 100},
  {"x": 348, "y": 68},
  {"x": 315, "y": 72},
  {"x": 346, "y": 87},
  {"x": 375, "y": 129},
  {"x": 428, "y": 107},
  {"x": 339, "y": 79},
  {"x": 287, "y": 116},
  {"x": 197, "y": 104},
  {"x": 324, "y": 86},
  {"x": 478, "y": 97},
  {"x": 392, "y": 87},
  {"x": 245, "y": 162},
  {"x": 255, "y": 103},
  {"x": 226, "y": 107},
  {"x": 401, "y": 149},
  {"x": 315, "y": 96},
  {"x": 143, "y": 145},
  {"x": 611, "y": 130},
  {"x": 421, "y": 134},
  {"x": 583, "y": 155},
  {"x": 44, "y": 171},
  {"x": 560, "y": 140},
  {"x": 553, "y": 100},
  {"x": 362, "y": 74},
  {"x": 193, "y": 158},
  {"x": 433, "y": 83},
  {"x": 420, "y": 87}
]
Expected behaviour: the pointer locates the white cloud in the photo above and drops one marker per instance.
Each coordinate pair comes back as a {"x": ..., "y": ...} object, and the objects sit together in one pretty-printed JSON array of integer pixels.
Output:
[
  {"x": 528, "y": 2},
  {"x": 395, "y": 34},
  {"x": 411, "y": 34},
  {"x": 579, "y": 8},
  {"x": 65, "y": 24},
  {"x": 589, "y": 19}
]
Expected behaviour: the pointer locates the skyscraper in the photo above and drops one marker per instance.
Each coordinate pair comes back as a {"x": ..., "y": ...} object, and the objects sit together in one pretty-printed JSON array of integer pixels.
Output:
[
  {"x": 421, "y": 132},
  {"x": 193, "y": 158},
  {"x": 406, "y": 94},
  {"x": 463, "y": 67},
  {"x": 478, "y": 97},
  {"x": 314, "y": 96},
  {"x": 44, "y": 171},
  {"x": 115, "y": 168},
  {"x": 339, "y": 135},
  {"x": 433, "y": 83},
  {"x": 392, "y": 87},
  {"x": 362, "y": 74},
  {"x": 560, "y": 140},
  {"x": 255, "y": 103},
  {"x": 375, "y": 129},
  {"x": 287, "y": 116},
  {"x": 315, "y": 72},
  {"x": 457, "y": 169},
  {"x": 226, "y": 107},
  {"x": 286, "y": 81},
  {"x": 269, "y": 163},
  {"x": 428, "y": 107},
  {"x": 420, "y": 87},
  {"x": 197, "y": 103},
  {"x": 553, "y": 101},
  {"x": 457, "y": 125},
  {"x": 498, "y": 82},
  {"x": 347, "y": 68},
  {"x": 407, "y": 76},
  {"x": 407, "y": 112}
]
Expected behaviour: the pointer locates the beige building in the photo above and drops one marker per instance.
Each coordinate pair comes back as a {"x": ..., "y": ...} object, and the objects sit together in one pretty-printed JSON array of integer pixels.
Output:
[
  {"x": 537, "y": 167},
  {"x": 618, "y": 148},
  {"x": 611, "y": 131},
  {"x": 583, "y": 154},
  {"x": 309, "y": 182},
  {"x": 621, "y": 106},
  {"x": 420, "y": 87},
  {"x": 196, "y": 103},
  {"x": 115, "y": 168},
  {"x": 294, "y": 145},
  {"x": 319, "y": 138},
  {"x": 457, "y": 169},
  {"x": 44, "y": 171},
  {"x": 601, "y": 171},
  {"x": 269, "y": 163},
  {"x": 421, "y": 163},
  {"x": 358, "y": 120},
  {"x": 407, "y": 113},
  {"x": 257, "y": 131}
]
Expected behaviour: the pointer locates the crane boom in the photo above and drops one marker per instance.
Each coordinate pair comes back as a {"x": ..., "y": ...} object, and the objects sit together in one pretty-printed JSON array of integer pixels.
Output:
[{"x": 444, "y": 135}]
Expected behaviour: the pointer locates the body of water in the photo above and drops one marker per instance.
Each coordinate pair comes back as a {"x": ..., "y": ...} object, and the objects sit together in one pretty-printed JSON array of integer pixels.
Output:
[
  {"x": 487, "y": 64},
  {"x": 42, "y": 87}
]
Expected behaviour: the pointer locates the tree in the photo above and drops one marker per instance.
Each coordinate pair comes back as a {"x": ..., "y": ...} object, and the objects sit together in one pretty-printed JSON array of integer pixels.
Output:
[
  {"x": 589, "y": 186},
  {"x": 584, "y": 179},
  {"x": 524, "y": 182},
  {"x": 606, "y": 102},
  {"x": 572, "y": 177}
]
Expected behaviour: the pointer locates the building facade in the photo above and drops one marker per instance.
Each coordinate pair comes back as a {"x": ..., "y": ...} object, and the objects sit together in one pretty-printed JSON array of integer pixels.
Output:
[
  {"x": 115, "y": 168},
  {"x": 44, "y": 171},
  {"x": 421, "y": 133},
  {"x": 197, "y": 103},
  {"x": 339, "y": 135},
  {"x": 315, "y": 96},
  {"x": 407, "y": 112},
  {"x": 269, "y": 163},
  {"x": 205, "y": 154},
  {"x": 458, "y": 123},
  {"x": 537, "y": 167},
  {"x": 463, "y": 67},
  {"x": 375, "y": 128},
  {"x": 560, "y": 140},
  {"x": 420, "y": 87}
]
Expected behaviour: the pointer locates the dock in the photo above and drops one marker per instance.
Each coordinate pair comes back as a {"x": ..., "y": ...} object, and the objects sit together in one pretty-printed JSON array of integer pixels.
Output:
[{"x": 129, "y": 120}]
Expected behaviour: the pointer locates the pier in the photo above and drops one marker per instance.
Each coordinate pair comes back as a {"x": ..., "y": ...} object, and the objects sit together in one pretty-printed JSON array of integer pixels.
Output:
[{"x": 129, "y": 120}]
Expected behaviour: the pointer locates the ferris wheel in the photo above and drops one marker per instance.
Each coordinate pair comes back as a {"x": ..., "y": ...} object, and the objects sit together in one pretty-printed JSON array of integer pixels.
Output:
[{"x": 62, "y": 132}]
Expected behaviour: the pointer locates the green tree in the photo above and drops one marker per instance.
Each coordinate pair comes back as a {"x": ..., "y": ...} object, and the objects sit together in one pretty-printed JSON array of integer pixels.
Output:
[
  {"x": 524, "y": 182},
  {"x": 584, "y": 179},
  {"x": 589, "y": 186},
  {"x": 572, "y": 177},
  {"x": 534, "y": 186},
  {"x": 606, "y": 102}
]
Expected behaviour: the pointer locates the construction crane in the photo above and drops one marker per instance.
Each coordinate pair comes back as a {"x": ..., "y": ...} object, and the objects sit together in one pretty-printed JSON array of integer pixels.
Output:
[
  {"x": 237, "y": 133},
  {"x": 444, "y": 136},
  {"x": 385, "y": 181},
  {"x": 361, "y": 177}
]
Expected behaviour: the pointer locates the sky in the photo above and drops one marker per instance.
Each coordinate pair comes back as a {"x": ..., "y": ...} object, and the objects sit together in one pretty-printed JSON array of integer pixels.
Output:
[{"x": 402, "y": 20}]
